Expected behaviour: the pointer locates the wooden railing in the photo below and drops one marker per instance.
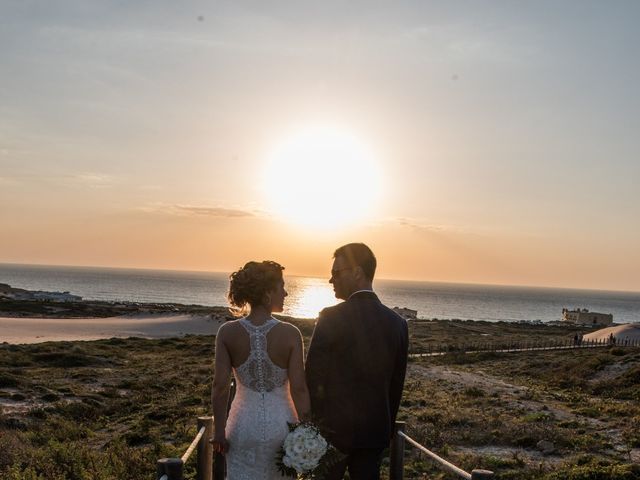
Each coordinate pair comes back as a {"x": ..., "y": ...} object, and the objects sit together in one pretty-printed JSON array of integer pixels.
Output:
[
  {"x": 396, "y": 458},
  {"x": 172, "y": 468},
  {"x": 208, "y": 466}
]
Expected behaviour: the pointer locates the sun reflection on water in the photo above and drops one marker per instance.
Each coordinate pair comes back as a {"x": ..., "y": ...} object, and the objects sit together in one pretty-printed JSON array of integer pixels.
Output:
[{"x": 307, "y": 296}]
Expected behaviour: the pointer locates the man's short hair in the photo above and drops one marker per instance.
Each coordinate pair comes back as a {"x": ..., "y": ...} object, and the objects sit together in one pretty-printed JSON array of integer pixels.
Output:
[{"x": 358, "y": 255}]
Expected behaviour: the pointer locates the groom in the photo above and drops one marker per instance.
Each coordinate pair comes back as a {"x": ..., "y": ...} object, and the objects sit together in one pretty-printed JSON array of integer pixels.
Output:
[{"x": 356, "y": 366}]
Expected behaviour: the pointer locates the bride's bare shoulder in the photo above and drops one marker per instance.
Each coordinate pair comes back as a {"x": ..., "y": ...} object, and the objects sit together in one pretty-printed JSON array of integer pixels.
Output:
[
  {"x": 229, "y": 327},
  {"x": 289, "y": 329}
]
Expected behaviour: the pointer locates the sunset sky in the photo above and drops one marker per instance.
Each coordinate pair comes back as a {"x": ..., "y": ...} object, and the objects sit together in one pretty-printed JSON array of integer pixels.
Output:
[{"x": 477, "y": 142}]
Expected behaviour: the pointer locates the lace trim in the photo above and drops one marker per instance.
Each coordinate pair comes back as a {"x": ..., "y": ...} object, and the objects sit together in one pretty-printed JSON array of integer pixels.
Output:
[{"x": 258, "y": 372}]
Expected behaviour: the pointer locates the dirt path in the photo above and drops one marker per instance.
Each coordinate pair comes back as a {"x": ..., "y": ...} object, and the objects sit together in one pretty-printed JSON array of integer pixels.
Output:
[
  {"x": 517, "y": 396},
  {"x": 520, "y": 397}
]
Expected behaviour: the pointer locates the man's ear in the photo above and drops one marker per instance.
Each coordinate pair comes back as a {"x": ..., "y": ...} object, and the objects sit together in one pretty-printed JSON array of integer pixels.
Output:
[{"x": 358, "y": 272}]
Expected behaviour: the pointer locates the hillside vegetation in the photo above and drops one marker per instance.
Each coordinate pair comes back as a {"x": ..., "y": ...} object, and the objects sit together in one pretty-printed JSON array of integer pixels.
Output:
[{"x": 110, "y": 408}]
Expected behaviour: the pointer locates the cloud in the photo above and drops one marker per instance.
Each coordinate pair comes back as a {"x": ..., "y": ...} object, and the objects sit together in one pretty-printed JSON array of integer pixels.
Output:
[
  {"x": 89, "y": 179},
  {"x": 451, "y": 230},
  {"x": 212, "y": 211},
  {"x": 472, "y": 44},
  {"x": 199, "y": 211},
  {"x": 415, "y": 224},
  {"x": 419, "y": 224},
  {"x": 93, "y": 179}
]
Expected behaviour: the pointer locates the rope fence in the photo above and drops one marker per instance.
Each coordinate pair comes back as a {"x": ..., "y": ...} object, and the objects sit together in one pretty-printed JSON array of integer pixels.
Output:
[
  {"x": 193, "y": 445},
  {"x": 173, "y": 468},
  {"x": 521, "y": 346},
  {"x": 396, "y": 454},
  {"x": 208, "y": 466}
]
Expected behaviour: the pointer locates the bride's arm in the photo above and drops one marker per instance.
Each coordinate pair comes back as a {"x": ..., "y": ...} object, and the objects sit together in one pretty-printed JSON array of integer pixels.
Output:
[
  {"x": 297, "y": 382},
  {"x": 220, "y": 392}
]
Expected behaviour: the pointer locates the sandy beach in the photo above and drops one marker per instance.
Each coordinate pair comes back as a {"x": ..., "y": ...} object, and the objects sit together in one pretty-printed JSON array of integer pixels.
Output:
[
  {"x": 36, "y": 330},
  {"x": 629, "y": 331}
]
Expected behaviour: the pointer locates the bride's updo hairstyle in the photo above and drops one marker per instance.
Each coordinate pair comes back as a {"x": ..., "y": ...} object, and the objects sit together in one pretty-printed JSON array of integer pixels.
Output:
[{"x": 250, "y": 286}]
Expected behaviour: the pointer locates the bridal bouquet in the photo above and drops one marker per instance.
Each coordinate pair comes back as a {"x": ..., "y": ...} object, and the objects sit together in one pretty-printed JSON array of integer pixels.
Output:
[{"x": 305, "y": 453}]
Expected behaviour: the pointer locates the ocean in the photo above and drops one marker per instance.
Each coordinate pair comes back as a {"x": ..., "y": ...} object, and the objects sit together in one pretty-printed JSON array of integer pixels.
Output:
[{"x": 308, "y": 295}]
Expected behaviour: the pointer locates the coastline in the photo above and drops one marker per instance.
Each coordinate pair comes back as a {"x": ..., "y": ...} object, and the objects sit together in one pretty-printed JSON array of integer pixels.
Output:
[
  {"x": 30, "y": 320},
  {"x": 33, "y": 320},
  {"x": 27, "y": 330},
  {"x": 308, "y": 295}
]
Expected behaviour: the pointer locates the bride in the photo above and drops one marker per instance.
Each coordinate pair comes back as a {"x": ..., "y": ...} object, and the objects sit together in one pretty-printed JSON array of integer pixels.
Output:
[{"x": 266, "y": 356}]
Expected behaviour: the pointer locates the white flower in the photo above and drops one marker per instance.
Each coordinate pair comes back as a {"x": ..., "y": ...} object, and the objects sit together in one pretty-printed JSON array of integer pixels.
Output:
[
  {"x": 323, "y": 444},
  {"x": 303, "y": 448},
  {"x": 288, "y": 441},
  {"x": 311, "y": 444},
  {"x": 298, "y": 446}
]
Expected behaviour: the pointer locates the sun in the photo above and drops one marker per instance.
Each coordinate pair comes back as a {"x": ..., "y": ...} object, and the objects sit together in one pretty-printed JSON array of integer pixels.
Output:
[{"x": 322, "y": 177}]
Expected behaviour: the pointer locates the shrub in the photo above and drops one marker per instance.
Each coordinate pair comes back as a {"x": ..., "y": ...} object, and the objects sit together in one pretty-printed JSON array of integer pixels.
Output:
[
  {"x": 474, "y": 392},
  {"x": 597, "y": 472},
  {"x": 9, "y": 381},
  {"x": 66, "y": 360}
]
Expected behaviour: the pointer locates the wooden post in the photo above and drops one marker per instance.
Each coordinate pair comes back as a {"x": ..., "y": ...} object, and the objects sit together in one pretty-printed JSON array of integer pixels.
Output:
[
  {"x": 396, "y": 453},
  {"x": 171, "y": 467},
  {"x": 481, "y": 474},
  {"x": 204, "y": 465},
  {"x": 219, "y": 467}
]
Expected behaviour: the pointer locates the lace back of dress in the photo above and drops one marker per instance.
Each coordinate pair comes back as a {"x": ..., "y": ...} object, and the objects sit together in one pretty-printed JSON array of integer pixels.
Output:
[{"x": 258, "y": 372}]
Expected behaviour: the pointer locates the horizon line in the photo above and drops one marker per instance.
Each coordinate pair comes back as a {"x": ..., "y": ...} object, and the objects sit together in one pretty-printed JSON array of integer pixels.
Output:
[{"x": 315, "y": 276}]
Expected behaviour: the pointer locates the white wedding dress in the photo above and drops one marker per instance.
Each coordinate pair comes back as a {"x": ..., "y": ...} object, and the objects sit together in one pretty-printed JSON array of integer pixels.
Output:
[{"x": 257, "y": 423}]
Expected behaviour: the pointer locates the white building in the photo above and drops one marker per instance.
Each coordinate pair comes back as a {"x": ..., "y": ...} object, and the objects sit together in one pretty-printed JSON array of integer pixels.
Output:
[{"x": 582, "y": 316}]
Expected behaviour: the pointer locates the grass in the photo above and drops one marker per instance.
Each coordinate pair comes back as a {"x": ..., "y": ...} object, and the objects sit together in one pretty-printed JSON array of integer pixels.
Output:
[
  {"x": 103, "y": 409},
  {"x": 110, "y": 408},
  {"x": 493, "y": 410}
]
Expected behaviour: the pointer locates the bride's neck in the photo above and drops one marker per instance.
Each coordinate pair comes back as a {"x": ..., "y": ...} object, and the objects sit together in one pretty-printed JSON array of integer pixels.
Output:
[{"x": 259, "y": 315}]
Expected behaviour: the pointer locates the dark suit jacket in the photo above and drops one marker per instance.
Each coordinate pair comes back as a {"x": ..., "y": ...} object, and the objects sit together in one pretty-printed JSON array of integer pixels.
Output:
[{"x": 355, "y": 371}]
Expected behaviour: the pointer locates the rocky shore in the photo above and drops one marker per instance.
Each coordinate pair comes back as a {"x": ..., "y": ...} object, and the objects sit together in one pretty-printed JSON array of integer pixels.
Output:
[{"x": 16, "y": 302}]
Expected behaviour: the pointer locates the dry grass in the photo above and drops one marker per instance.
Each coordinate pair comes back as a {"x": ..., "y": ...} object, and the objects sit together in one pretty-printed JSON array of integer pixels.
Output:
[{"x": 108, "y": 409}]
